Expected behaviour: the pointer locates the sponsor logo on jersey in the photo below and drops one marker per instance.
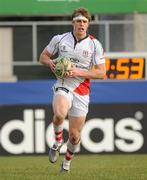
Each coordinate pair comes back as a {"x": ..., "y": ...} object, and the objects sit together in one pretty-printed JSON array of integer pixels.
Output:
[
  {"x": 85, "y": 53},
  {"x": 63, "y": 49}
]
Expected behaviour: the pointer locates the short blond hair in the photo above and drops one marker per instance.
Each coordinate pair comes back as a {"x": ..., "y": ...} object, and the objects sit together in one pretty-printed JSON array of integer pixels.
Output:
[{"x": 81, "y": 11}]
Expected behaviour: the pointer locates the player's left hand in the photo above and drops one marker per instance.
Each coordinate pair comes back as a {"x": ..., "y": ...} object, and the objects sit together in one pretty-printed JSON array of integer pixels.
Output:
[
  {"x": 68, "y": 73},
  {"x": 72, "y": 72}
]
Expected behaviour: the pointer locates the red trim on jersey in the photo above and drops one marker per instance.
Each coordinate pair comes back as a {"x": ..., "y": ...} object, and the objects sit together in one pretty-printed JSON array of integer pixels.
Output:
[
  {"x": 91, "y": 37},
  {"x": 83, "y": 88}
]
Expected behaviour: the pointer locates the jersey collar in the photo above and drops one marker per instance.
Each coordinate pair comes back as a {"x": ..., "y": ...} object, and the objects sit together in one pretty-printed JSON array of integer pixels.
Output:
[{"x": 80, "y": 39}]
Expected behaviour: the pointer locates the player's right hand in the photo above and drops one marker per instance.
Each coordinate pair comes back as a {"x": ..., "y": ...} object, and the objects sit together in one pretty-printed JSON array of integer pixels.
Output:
[{"x": 52, "y": 64}]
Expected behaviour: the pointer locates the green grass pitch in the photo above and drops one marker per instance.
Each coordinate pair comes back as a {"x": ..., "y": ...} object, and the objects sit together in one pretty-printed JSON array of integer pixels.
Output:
[{"x": 84, "y": 167}]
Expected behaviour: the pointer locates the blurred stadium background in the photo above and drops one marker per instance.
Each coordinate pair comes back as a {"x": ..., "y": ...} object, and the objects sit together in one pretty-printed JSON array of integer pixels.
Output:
[{"x": 117, "y": 120}]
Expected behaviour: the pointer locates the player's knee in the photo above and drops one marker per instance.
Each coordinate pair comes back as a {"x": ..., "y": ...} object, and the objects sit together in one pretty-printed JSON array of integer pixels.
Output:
[
  {"x": 58, "y": 120},
  {"x": 60, "y": 114},
  {"x": 74, "y": 137}
]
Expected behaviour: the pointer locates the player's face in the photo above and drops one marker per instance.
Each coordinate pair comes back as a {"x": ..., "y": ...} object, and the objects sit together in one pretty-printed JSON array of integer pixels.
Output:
[{"x": 80, "y": 27}]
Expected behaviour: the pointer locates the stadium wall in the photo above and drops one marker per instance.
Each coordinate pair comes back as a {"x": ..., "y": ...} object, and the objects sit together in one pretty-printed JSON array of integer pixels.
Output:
[{"x": 116, "y": 122}]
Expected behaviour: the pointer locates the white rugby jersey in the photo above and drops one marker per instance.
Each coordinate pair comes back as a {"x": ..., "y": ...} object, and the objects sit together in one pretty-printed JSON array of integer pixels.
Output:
[{"x": 84, "y": 54}]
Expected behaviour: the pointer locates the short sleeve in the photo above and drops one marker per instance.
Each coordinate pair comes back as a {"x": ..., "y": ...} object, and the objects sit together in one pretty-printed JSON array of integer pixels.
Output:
[
  {"x": 98, "y": 55},
  {"x": 52, "y": 47}
]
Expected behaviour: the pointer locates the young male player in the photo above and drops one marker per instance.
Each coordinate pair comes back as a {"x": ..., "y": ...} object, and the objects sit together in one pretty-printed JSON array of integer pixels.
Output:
[{"x": 71, "y": 94}]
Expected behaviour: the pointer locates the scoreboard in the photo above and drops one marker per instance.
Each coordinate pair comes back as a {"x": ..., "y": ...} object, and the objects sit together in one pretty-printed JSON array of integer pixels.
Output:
[{"x": 125, "y": 68}]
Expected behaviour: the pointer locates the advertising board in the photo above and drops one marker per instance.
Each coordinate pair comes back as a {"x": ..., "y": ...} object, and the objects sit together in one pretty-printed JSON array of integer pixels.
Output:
[{"x": 110, "y": 128}]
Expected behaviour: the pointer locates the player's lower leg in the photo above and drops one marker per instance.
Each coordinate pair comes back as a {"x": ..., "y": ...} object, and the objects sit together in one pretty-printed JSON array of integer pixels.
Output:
[
  {"x": 71, "y": 149},
  {"x": 55, "y": 149}
]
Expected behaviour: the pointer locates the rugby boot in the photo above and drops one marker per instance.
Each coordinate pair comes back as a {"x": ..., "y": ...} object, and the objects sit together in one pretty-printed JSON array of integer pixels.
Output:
[
  {"x": 54, "y": 152},
  {"x": 65, "y": 168}
]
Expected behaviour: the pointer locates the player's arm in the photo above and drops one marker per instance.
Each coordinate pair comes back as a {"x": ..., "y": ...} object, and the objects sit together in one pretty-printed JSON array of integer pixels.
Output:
[
  {"x": 45, "y": 58},
  {"x": 50, "y": 50},
  {"x": 96, "y": 73}
]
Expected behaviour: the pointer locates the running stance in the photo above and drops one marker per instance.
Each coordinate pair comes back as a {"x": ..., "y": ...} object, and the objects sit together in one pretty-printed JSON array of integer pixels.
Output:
[{"x": 71, "y": 94}]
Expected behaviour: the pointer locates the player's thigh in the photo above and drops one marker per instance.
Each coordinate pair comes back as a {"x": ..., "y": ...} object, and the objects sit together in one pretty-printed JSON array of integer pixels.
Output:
[{"x": 60, "y": 104}]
